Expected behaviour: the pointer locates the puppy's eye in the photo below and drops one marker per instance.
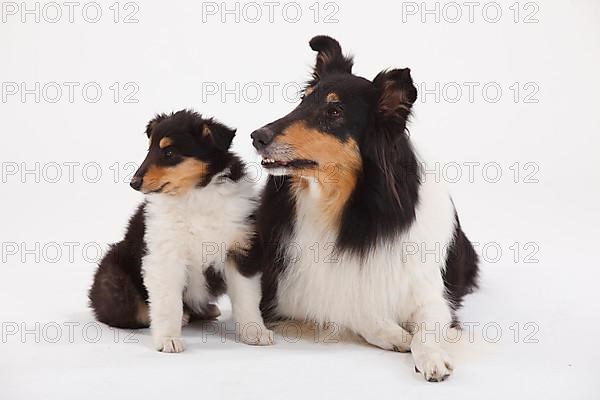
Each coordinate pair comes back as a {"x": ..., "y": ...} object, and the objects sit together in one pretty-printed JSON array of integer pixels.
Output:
[
  {"x": 169, "y": 152},
  {"x": 334, "y": 111}
]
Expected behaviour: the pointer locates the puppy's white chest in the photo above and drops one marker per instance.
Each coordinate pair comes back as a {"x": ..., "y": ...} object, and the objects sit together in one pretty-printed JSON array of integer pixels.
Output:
[{"x": 200, "y": 227}]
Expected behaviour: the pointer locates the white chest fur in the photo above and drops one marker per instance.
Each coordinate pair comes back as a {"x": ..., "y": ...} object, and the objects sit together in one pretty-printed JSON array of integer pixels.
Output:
[
  {"x": 199, "y": 227},
  {"x": 392, "y": 282}
]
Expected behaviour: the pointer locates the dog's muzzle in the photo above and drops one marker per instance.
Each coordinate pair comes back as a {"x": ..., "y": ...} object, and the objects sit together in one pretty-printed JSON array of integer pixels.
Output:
[{"x": 261, "y": 138}]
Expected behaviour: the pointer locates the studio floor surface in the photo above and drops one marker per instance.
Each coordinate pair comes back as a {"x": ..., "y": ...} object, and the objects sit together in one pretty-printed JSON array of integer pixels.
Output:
[{"x": 52, "y": 348}]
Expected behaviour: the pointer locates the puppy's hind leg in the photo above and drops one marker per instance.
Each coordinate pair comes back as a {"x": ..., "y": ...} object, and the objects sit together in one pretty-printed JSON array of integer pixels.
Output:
[
  {"x": 245, "y": 294},
  {"x": 118, "y": 298}
]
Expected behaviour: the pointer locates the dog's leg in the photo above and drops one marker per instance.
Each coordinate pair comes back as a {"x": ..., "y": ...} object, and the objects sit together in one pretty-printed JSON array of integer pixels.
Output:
[
  {"x": 245, "y": 294},
  {"x": 165, "y": 280},
  {"x": 429, "y": 322},
  {"x": 195, "y": 295},
  {"x": 387, "y": 335}
]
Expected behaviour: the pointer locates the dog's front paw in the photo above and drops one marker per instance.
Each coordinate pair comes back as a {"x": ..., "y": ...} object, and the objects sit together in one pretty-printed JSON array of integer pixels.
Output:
[
  {"x": 169, "y": 344},
  {"x": 257, "y": 336},
  {"x": 435, "y": 365}
]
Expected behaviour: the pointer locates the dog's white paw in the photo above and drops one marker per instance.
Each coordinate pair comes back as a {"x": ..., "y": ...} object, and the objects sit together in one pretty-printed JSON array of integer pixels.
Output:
[
  {"x": 435, "y": 365},
  {"x": 257, "y": 336},
  {"x": 168, "y": 344}
]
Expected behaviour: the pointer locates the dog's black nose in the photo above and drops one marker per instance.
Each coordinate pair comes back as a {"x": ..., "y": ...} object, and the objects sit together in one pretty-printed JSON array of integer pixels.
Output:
[
  {"x": 136, "y": 182},
  {"x": 261, "y": 138}
]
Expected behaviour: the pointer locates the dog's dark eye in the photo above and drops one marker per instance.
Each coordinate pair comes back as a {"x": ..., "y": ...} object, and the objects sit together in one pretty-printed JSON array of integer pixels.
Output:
[
  {"x": 168, "y": 152},
  {"x": 334, "y": 111}
]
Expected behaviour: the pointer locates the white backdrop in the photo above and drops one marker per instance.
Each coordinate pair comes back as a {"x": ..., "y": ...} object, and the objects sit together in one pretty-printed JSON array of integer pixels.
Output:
[{"x": 508, "y": 111}]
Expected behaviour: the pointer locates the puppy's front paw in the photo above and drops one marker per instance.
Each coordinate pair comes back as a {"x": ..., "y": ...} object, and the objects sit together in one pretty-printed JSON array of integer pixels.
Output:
[
  {"x": 435, "y": 365},
  {"x": 168, "y": 344},
  {"x": 257, "y": 336}
]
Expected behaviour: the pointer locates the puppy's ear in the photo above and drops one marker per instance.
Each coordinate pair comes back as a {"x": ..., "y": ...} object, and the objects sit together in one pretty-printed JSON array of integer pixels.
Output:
[
  {"x": 397, "y": 93},
  {"x": 329, "y": 58},
  {"x": 153, "y": 122},
  {"x": 220, "y": 134}
]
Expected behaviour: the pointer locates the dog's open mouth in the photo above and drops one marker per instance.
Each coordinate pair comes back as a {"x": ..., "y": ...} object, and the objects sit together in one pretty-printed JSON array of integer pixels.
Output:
[{"x": 297, "y": 163}]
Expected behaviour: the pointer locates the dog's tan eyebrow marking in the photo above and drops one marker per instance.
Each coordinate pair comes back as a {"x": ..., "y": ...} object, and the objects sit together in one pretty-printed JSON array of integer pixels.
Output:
[
  {"x": 165, "y": 142},
  {"x": 332, "y": 98}
]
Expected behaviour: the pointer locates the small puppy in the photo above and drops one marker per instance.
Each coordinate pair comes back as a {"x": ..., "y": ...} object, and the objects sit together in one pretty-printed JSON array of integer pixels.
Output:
[{"x": 180, "y": 249}]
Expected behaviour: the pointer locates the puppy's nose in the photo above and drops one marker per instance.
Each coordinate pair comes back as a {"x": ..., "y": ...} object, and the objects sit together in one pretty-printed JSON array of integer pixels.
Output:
[
  {"x": 136, "y": 182},
  {"x": 261, "y": 138}
]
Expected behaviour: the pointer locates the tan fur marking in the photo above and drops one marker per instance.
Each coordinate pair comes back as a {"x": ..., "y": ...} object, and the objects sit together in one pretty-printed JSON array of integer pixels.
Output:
[
  {"x": 332, "y": 98},
  {"x": 309, "y": 90},
  {"x": 179, "y": 178},
  {"x": 211, "y": 311},
  {"x": 165, "y": 142},
  {"x": 322, "y": 59},
  {"x": 339, "y": 163},
  {"x": 391, "y": 100},
  {"x": 143, "y": 315},
  {"x": 242, "y": 242},
  {"x": 205, "y": 131}
]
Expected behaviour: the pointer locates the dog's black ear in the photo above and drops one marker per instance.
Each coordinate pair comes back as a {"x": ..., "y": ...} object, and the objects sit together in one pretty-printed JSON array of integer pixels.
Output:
[
  {"x": 220, "y": 134},
  {"x": 329, "y": 58},
  {"x": 153, "y": 122},
  {"x": 397, "y": 93}
]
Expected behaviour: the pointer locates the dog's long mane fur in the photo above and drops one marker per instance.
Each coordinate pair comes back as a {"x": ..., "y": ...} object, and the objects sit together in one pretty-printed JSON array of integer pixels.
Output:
[{"x": 383, "y": 202}]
